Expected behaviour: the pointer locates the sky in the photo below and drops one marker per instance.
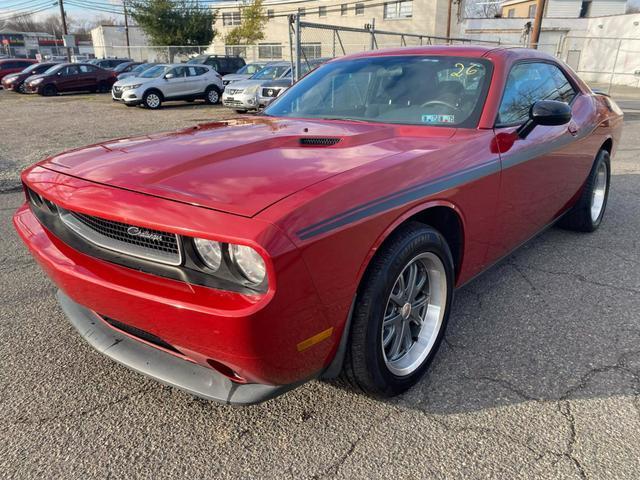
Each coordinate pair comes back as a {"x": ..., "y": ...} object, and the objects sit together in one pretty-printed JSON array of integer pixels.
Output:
[{"x": 80, "y": 13}]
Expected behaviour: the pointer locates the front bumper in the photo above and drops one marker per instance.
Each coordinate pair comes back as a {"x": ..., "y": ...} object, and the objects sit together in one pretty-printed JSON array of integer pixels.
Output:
[
  {"x": 240, "y": 101},
  {"x": 33, "y": 88},
  {"x": 160, "y": 365},
  {"x": 257, "y": 338},
  {"x": 131, "y": 97}
]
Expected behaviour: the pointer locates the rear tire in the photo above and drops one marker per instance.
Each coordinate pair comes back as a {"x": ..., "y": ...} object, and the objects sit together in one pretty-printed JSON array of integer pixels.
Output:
[
  {"x": 586, "y": 215},
  {"x": 400, "y": 316},
  {"x": 152, "y": 100},
  {"x": 22, "y": 88},
  {"x": 102, "y": 87},
  {"x": 49, "y": 90},
  {"x": 212, "y": 95}
]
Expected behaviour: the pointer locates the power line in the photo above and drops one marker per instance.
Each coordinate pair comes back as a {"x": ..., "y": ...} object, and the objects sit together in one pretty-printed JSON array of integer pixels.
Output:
[
  {"x": 36, "y": 4},
  {"x": 30, "y": 11}
]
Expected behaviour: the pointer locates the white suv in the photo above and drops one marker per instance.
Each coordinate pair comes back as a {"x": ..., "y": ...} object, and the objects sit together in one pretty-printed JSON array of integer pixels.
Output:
[{"x": 168, "y": 82}]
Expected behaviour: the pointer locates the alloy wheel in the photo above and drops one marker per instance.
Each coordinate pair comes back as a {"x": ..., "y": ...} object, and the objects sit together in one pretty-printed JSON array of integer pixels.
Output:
[
  {"x": 153, "y": 100},
  {"x": 414, "y": 314},
  {"x": 599, "y": 192}
]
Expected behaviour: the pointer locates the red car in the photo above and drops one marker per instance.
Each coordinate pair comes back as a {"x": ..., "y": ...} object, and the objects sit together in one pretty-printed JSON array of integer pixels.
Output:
[
  {"x": 14, "y": 65},
  {"x": 239, "y": 259},
  {"x": 71, "y": 77},
  {"x": 16, "y": 81}
]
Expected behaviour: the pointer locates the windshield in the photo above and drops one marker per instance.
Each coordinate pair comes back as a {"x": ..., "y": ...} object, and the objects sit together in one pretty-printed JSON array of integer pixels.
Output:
[
  {"x": 270, "y": 73},
  {"x": 250, "y": 69},
  {"x": 416, "y": 90},
  {"x": 121, "y": 66},
  {"x": 201, "y": 59},
  {"x": 53, "y": 69},
  {"x": 32, "y": 67},
  {"x": 141, "y": 68},
  {"x": 154, "y": 72}
]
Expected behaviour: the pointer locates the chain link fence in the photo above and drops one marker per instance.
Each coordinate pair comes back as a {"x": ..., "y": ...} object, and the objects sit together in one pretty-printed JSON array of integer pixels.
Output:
[{"x": 611, "y": 64}]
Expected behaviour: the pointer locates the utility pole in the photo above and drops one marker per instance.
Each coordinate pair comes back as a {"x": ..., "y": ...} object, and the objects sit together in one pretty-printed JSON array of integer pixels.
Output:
[
  {"x": 449, "y": 18},
  {"x": 537, "y": 24},
  {"x": 126, "y": 27},
  {"x": 63, "y": 18}
]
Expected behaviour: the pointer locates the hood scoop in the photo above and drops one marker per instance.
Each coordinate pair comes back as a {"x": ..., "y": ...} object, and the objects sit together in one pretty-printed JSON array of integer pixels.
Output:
[{"x": 318, "y": 141}]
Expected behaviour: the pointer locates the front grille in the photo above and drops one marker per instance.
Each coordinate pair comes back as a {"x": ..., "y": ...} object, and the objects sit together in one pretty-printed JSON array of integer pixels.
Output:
[
  {"x": 117, "y": 92},
  {"x": 146, "y": 243},
  {"x": 234, "y": 91},
  {"x": 117, "y": 89},
  {"x": 319, "y": 141}
]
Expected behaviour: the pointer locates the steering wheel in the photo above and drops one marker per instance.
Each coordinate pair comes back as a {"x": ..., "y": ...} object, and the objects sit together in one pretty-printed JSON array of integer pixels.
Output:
[{"x": 439, "y": 102}]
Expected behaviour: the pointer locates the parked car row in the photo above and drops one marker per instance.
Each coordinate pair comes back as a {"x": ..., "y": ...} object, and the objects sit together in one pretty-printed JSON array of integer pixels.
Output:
[
  {"x": 211, "y": 78},
  {"x": 261, "y": 88}
]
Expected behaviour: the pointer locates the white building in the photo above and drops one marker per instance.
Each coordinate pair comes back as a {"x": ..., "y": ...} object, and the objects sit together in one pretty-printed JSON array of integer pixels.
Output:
[
  {"x": 111, "y": 41},
  {"x": 426, "y": 17}
]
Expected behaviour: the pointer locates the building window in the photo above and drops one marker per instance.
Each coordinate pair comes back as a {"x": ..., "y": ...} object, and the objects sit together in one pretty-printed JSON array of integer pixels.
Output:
[
  {"x": 359, "y": 8},
  {"x": 270, "y": 13},
  {"x": 236, "y": 51},
  {"x": 344, "y": 9},
  {"x": 231, "y": 18},
  {"x": 402, "y": 9},
  {"x": 311, "y": 50},
  {"x": 322, "y": 11},
  {"x": 302, "y": 11},
  {"x": 511, "y": 13},
  {"x": 532, "y": 11},
  {"x": 585, "y": 9},
  {"x": 270, "y": 50}
]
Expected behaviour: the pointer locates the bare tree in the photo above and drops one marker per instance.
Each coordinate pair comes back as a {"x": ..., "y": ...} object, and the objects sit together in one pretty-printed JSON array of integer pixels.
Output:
[{"x": 479, "y": 8}]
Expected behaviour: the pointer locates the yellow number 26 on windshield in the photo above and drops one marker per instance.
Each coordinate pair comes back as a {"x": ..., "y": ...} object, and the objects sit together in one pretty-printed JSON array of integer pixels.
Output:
[{"x": 463, "y": 70}]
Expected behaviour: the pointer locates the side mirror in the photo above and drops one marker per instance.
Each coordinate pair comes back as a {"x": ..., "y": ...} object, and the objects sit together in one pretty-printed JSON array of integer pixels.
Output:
[
  {"x": 169, "y": 76},
  {"x": 545, "y": 112}
]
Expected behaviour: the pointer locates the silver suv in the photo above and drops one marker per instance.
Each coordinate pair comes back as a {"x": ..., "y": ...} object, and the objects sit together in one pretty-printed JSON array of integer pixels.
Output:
[{"x": 169, "y": 82}]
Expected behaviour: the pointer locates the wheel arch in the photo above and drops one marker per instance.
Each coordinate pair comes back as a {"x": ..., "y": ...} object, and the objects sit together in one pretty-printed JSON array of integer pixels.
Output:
[
  {"x": 154, "y": 90},
  {"x": 607, "y": 145},
  {"x": 444, "y": 216}
]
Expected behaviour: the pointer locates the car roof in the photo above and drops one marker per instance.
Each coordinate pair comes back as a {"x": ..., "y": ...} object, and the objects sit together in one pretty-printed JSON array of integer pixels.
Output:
[{"x": 471, "y": 50}]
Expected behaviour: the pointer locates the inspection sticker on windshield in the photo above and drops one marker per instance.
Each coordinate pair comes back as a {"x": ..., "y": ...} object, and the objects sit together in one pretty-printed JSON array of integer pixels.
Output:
[{"x": 438, "y": 119}]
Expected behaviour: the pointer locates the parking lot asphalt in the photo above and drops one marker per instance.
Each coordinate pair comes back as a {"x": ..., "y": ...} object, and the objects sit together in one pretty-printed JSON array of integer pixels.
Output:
[{"x": 539, "y": 375}]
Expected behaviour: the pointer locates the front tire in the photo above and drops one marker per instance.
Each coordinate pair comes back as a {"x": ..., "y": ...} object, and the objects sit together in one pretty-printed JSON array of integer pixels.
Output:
[
  {"x": 49, "y": 91},
  {"x": 401, "y": 312},
  {"x": 586, "y": 215},
  {"x": 152, "y": 100},
  {"x": 212, "y": 95}
]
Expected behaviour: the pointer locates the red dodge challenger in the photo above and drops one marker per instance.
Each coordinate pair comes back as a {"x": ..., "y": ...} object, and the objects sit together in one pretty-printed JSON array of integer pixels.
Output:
[{"x": 239, "y": 259}]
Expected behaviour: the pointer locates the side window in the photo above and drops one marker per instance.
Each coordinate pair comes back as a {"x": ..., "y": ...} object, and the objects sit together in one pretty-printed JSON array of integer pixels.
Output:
[
  {"x": 70, "y": 70},
  {"x": 527, "y": 83},
  {"x": 179, "y": 71},
  {"x": 195, "y": 71},
  {"x": 87, "y": 69}
]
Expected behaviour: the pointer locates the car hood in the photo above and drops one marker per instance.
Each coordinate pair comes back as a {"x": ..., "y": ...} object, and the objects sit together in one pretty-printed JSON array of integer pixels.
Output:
[
  {"x": 244, "y": 84},
  {"x": 235, "y": 77},
  {"x": 239, "y": 166},
  {"x": 35, "y": 77},
  {"x": 132, "y": 81},
  {"x": 281, "y": 82}
]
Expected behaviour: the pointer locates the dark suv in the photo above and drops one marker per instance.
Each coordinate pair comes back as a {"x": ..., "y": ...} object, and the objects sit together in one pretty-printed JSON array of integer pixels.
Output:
[{"x": 221, "y": 63}]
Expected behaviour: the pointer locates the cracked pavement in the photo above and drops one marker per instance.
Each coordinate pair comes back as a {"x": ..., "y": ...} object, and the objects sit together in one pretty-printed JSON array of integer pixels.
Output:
[{"x": 539, "y": 377}]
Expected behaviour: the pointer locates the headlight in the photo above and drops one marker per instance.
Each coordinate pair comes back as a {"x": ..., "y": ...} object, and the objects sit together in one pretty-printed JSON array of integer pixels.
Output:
[
  {"x": 36, "y": 81},
  {"x": 131, "y": 87},
  {"x": 210, "y": 252},
  {"x": 249, "y": 262},
  {"x": 10, "y": 78}
]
